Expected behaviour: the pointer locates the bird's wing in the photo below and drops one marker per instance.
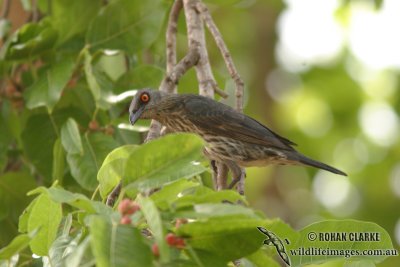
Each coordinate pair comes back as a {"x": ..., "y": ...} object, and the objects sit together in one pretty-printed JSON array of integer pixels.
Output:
[{"x": 218, "y": 119}]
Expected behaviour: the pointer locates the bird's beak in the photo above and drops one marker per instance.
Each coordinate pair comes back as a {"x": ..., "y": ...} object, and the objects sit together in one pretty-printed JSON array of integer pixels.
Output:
[{"x": 134, "y": 116}]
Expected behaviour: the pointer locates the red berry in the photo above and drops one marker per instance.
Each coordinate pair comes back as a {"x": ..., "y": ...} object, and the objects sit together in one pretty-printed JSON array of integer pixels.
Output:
[
  {"x": 134, "y": 207},
  {"x": 155, "y": 250},
  {"x": 123, "y": 206},
  {"x": 128, "y": 207},
  {"x": 170, "y": 238},
  {"x": 180, "y": 243},
  {"x": 109, "y": 130},
  {"x": 93, "y": 125},
  {"x": 125, "y": 220},
  {"x": 174, "y": 241}
]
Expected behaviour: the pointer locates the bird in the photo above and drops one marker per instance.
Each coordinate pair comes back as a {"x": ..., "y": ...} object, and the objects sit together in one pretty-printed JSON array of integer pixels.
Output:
[{"x": 231, "y": 137}]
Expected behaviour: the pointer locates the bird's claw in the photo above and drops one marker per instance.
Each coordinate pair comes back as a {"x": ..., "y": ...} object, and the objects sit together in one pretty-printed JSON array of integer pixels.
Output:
[{"x": 239, "y": 180}]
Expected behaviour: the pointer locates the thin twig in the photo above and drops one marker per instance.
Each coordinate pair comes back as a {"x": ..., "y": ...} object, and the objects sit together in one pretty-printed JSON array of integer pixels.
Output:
[
  {"x": 6, "y": 9},
  {"x": 171, "y": 36},
  {"x": 35, "y": 11},
  {"x": 205, "y": 14},
  {"x": 172, "y": 78}
]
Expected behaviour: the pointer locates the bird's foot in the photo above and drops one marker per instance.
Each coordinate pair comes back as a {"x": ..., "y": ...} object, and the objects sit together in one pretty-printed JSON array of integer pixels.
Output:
[{"x": 239, "y": 180}]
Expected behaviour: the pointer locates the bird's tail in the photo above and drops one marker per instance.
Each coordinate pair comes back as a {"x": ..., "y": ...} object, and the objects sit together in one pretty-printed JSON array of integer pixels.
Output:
[{"x": 310, "y": 162}]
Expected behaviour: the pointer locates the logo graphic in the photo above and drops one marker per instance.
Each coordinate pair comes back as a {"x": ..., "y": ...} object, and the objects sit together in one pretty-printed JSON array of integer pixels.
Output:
[{"x": 277, "y": 243}]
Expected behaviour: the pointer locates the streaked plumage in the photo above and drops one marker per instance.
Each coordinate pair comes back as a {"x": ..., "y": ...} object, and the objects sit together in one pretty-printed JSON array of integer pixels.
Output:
[{"x": 231, "y": 137}]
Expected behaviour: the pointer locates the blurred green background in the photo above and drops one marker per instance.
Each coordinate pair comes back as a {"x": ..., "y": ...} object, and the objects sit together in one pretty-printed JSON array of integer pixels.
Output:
[{"x": 324, "y": 74}]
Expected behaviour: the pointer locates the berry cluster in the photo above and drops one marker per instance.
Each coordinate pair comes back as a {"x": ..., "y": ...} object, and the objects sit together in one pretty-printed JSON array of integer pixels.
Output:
[{"x": 127, "y": 207}]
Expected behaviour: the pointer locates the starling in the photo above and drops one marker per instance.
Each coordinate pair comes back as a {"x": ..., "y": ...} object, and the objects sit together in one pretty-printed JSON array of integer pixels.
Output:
[{"x": 231, "y": 137}]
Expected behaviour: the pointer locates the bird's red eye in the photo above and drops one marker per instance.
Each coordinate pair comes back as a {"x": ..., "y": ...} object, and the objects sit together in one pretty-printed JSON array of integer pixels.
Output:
[{"x": 145, "y": 98}]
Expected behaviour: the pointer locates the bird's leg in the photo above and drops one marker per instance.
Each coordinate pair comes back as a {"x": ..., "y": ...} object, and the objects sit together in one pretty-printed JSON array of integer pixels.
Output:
[
  {"x": 222, "y": 176},
  {"x": 219, "y": 175},
  {"x": 238, "y": 176},
  {"x": 240, "y": 184},
  {"x": 214, "y": 173}
]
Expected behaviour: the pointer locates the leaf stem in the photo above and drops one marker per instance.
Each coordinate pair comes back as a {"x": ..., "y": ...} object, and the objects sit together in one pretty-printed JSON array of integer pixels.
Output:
[
  {"x": 95, "y": 192},
  {"x": 95, "y": 113},
  {"x": 53, "y": 123}
]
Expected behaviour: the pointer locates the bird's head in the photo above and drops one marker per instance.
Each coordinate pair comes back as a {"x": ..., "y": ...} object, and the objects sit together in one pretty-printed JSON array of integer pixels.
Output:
[{"x": 144, "y": 105}]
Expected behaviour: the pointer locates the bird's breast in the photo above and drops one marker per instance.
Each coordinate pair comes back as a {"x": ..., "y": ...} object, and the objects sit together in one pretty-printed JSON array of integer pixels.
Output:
[{"x": 180, "y": 125}]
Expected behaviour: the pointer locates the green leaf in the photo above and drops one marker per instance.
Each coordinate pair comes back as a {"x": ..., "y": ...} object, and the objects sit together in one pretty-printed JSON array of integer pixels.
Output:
[
  {"x": 362, "y": 263},
  {"x": 80, "y": 99},
  {"x": 261, "y": 259},
  {"x": 47, "y": 90},
  {"x": 208, "y": 196},
  {"x": 164, "y": 160},
  {"x": 31, "y": 40},
  {"x": 19, "y": 243},
  {"x": 38, "y": 140},
  {"x": 129, "y": 25},
  {"x": 64, "y": 245},
  {"x": 76, "y": 200},
  {"x": 90, "y": 78},
  {"x": 237, "y": 235},
  {"x": 73, "y": 17},
  {"x": 113, "y": 168},
  {"x": 45, "y": 216},
  {"x": 205, "y": 258},
  {"x": 23, "y": 219},
  {"x": 5, "y": 26},
  {"x": 343, "y": 227},
  {"x": 11, "y": 123},
  {"x": 143, "y": 76},
  {"x": 13, "y": 189},
  {"x": 80, "y": 256},
  {"x": 118, "y": 245},
  {"x": 70, "y": 137},
  {"x": 113, "y": 65},
  {"x": 169, "y": 193},
  {"x": 222, "y": 209},
  {"x": 98, "y": 84},
  {"x": 84, "y": 167},
  {"x": 58, "y": 161},
  {"x": 154, "y": 222}
]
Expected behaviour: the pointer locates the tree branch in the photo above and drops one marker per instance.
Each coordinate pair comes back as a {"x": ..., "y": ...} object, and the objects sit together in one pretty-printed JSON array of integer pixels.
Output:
[
  {"x": 5, "y": 9},
  {"x": 207, "y": 84},
  {"x": 197, "y": 42},
  {"x": 171, "y": 80},
  {"x": 205, "y": 14},
  {"x": 171, "y": 35}
]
